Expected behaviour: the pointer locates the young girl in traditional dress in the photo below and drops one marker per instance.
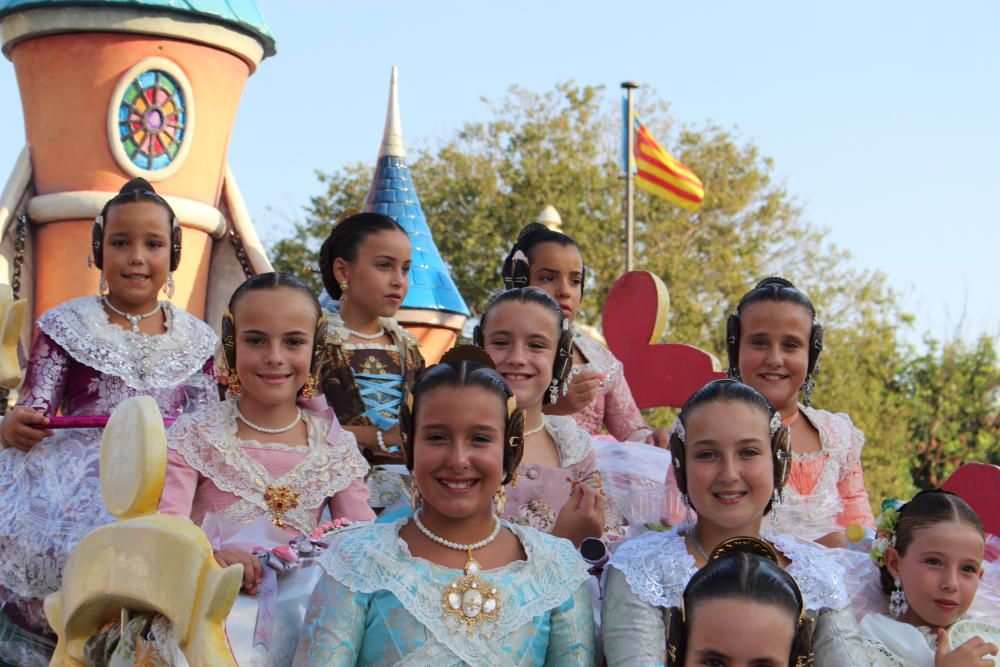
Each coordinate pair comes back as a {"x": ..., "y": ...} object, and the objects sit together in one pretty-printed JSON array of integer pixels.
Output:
[
  {"x": 371, "y": 362},
  {"x": 259, "y": 456},
  {"x": 774, "y": 343},
  {"x": 930, "y": 554},
  {"x": 557, "y": 488},
  {"x": 453, "y": 584},
  {"x": 743, "y": 590},
  {"x": 730, "y": 453},
  {"x": 90, "y": 354},
  {"x": 597, "y": 394}
]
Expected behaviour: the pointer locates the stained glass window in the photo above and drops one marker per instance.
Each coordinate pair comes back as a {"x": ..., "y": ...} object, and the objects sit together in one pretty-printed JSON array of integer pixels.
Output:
[{"x": 152, "y": 118}]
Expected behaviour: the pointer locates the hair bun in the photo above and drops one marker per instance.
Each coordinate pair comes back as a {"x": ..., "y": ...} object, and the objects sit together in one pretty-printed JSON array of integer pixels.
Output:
[
  {"x": 775, "y": 280},
  {"x": 530, "y": 229},
  {"x": 466, "y": 352},
  {"x": 137, "y": 185}
]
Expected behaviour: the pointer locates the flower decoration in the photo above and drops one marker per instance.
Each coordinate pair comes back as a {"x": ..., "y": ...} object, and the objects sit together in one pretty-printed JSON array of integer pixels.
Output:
[{"x": 885, "y": 530}]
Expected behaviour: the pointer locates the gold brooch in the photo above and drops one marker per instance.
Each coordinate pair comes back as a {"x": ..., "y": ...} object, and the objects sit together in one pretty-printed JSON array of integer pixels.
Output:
[
  {"x": 470, "y": 599},
  {"x": 279, "y": 500}
]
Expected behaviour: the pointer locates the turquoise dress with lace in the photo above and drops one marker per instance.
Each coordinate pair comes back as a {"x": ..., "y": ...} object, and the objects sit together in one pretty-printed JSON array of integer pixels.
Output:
[{"x": 378, "y": 605}]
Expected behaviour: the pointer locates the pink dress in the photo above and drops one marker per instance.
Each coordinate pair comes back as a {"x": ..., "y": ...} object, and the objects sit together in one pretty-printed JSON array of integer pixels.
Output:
[
  {"x": 210, "y": 470},
  {"x": 826, "y": 489},
  {"x": 614, "y": 406},
  {"x": 541, "y": 491}
]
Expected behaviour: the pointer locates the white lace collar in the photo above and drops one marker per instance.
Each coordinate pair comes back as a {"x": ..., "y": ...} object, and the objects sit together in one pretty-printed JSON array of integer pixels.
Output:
[
  {"x": 375, "y": 558},
  {"x": 911, "y": 644},
  {"x": 600, "y": 359},
  {"x": 208, "y": 442},
  {"x": 657, "y": 567},
  {"x": 572, "y": 442},
  {"x": 82, "y": 328},
  {"x": 337, "y": 332}
]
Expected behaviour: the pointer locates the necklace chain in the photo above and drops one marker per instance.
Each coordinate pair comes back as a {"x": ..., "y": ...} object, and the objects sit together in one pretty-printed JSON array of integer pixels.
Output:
[
  {"x": 455, "y": 545},
  {"x": 697, "y": 545},
  {"x": 272, "y": 431},
  {"x": 133, "y": 320},
  {"x": 533, "y": 431}
]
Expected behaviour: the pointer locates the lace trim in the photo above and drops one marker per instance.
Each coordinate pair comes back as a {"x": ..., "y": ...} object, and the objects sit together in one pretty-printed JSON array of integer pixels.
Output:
[
  {"x": 657, "y": 567},
  {"x": 600, "y": 359},
  {"x": 337, "y": 333},
  {"x": 836, "y": 435},
  {"x": 208, "y": 442},
  {"x": 82, "y": 328},
  {"x": 375, "y": 558},
  {"x": 572, "y": 441}
]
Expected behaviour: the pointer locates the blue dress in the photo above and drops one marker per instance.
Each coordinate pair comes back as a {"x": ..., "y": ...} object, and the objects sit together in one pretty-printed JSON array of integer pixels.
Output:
[{"x": 378, "y": 605}]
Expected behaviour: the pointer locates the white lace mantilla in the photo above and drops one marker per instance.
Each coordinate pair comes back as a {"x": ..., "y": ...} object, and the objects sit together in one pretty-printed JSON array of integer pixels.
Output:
[
  {"x": 600, "y": 359},
  {"x": 572, "y": 442},
  {"x": 208, "y": 441},
  {"x": 657, "y": 567},
  {"x": 375, "y": 558},
  {"x": 82, "y": 328}
]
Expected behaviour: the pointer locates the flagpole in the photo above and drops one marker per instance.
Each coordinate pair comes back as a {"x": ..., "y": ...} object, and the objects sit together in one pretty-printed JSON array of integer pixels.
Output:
[{"x": 629, "y": 178}]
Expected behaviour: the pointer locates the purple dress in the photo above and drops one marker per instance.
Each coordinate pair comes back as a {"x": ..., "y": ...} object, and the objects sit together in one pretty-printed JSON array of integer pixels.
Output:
[{"x": 50, "y": 497}]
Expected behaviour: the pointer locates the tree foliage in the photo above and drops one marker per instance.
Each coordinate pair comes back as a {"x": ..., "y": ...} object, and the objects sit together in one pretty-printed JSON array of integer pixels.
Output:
[{"x": 562, "y": 147}]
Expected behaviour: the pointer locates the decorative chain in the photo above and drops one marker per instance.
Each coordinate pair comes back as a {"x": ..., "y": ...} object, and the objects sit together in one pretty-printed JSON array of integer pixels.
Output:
[
  {"x": 241, "y": 252},
  {"x": 20, "y": 233}
]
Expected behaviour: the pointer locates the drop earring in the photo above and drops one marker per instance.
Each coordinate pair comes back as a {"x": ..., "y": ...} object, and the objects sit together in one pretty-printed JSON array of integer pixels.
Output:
[
  {"x": 309, "y": 389},
  {"x": 688, "y": 512},
  {"x": 554, "y": 391},
  {"x": 343, "y": 293},
  {"x": 897, "y": 600},
  {"x": 500, "y": 500},
  {"x": 168, "y": 287},
  {"x": 102, "y": 285},
  {"x": 235, "y": 389}
]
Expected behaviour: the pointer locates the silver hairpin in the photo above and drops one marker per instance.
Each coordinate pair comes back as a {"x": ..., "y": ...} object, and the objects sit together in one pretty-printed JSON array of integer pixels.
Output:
[
  {"x": 775, "y": 422},
  {"x": 678, "y": 429}
]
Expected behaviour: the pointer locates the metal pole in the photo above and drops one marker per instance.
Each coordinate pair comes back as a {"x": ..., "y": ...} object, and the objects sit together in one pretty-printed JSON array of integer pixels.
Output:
[{"x": 629, "y": 179}]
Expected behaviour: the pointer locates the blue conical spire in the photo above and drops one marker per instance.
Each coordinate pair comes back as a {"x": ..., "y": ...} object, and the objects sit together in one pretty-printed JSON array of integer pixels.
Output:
[{"x": 392, "y": 193}]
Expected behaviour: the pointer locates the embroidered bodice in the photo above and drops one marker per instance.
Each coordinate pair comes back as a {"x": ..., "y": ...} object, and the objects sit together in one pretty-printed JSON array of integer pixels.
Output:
[
  {"x": 233, "y": 474},
  {"x": 825, "y": 490},
  {"x": 614, "y": 406},
  {"x": 380, "y": 605},
  {"x": 541, "y": 491},
  {"x": 657, "y": 567}
]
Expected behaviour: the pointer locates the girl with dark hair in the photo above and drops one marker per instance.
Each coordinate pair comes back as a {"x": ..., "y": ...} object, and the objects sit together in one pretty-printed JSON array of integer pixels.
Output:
[
  {"x": 730, "y": 454},
  {"x": 237, "y": 466},
  {"x": 595, "y": 392},
  {"x": 930, "y": 558},
  {"x": 370, "y": 362},
  {"x": 774, "y": 342},
  {"x": 89, "y": 355},
  {"x": 454, "y": 584},
  {"x": 558, "y": 487},
  {"x": 745, "y": 591}
]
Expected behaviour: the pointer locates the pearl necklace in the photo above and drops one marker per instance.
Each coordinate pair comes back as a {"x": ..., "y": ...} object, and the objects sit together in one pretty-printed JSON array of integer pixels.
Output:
[
  {"x": 271, "y": 431},
  {"x": 535, "y": 430},
  {"x": 469, "y": 599},
  {"x": 133, "y": 320},
  {"x": 366, "y": 336}
]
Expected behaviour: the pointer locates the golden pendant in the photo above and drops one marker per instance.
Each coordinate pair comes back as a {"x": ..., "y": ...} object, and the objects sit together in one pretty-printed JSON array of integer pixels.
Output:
[
  {"x": 279, "y": 500},
  {"x": 470, "y": 599}
]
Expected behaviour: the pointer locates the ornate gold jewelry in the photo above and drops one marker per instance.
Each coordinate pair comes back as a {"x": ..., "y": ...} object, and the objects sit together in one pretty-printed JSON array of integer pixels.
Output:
[
  {"x": 309, "y": 389},
  {"x": 470, "y": 599},
  {"x": 343, "y": 293},
  {"x": 415, "y": 498},
  {"x": 279, "y": 500},
  {"x": 500, "y": 500},
  {"x": 235, "y": 388}
]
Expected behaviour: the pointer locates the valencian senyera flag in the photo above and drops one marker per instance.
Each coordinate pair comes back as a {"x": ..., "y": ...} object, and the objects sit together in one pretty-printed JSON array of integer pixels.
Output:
[{"x": 661, "y": 174}]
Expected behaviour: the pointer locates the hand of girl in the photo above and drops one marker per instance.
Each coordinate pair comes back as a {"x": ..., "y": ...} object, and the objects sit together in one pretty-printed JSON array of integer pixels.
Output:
[
  {"x": 970, "y": 654},
  {"x": 24, "y": 428},
  {"x": 581, "y": 393},
  {"x": 660, "y": 438},
  {"x": 582, "y": 516},
  {"x": 252, "y": 571}
]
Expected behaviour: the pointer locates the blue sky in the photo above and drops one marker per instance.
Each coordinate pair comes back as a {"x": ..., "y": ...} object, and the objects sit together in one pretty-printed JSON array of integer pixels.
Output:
[{"x": 883, "y": 118}]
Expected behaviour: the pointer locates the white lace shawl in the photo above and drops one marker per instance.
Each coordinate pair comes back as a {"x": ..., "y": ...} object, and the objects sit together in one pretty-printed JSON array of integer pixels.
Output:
[
  {"x": 375, "y": 558},
  {"x": 815, "y": 515},
  {"x": 657, "y": 567},
  {"x": 600, "y": 359},
  {"x": 82, "y": 328},
  {"x": 208, "y": 442},
  {"x": 889, "y": 642},
  {"x": 572, "y": 442}
]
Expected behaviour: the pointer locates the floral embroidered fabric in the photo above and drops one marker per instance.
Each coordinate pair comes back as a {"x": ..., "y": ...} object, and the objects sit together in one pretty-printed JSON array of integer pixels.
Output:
[
  {"x": 208, "y": 442},
  {"x": 614, "y": 406}
]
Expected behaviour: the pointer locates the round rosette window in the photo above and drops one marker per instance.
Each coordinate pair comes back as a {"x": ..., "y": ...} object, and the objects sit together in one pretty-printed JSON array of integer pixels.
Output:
[{"x": 151, "y": 119}]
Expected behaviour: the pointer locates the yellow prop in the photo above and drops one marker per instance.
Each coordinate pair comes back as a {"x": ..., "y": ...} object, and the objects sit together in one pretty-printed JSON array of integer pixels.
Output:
[
  {"x": 144, "y": 561},
  {"x": 12, "y": 314}
]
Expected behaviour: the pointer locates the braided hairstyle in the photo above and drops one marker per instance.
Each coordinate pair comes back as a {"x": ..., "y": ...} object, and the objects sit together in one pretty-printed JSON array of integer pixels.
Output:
[
  {"x": 747, "y": 571},
  {"x": 136, "y": 190},
  {"x": 516, "y": 268},
  {"x": 466, "y": 366},
  {"x": 345, "y": 238},
  {"x": 729, "y": 390},
  {"x": 927, "y": 509}
]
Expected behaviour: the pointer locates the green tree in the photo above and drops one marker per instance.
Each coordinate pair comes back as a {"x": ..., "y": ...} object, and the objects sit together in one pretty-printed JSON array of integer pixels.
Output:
[{"x": 562, "y": 147}]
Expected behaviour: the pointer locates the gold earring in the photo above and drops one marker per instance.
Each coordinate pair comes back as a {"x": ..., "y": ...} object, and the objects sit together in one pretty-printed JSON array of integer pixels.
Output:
[
  {"x": 500, "y": 500},
  {"x": 343, "y": 292},
  {"x": 415, "y": 498},
  {"x": 309, "y": 389},
  {"x": 234, "y": 385}
]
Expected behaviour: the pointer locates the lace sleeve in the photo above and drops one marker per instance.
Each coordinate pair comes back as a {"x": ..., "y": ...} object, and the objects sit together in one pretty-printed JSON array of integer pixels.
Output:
[
  {"x": 851, "y": 487},
  {"x": 334, "y": 629},
  {"x": 45, "y": 379},
  {"x": 621, "y": 414},
  {"x": 633, "y": 630},
  {"x": 571, "y": 641},
  {"x": 837, "y": 640}
]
